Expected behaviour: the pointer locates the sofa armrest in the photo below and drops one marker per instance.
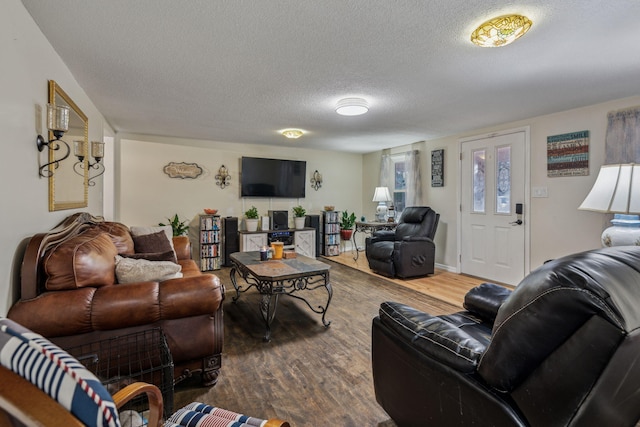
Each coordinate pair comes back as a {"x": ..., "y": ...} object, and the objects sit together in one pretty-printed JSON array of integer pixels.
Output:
[
  {"x": 485, "y": 300},
  {"x": 380, "y": 235},
  {"x": 182, "y": 246},
  {"x": 433, "y": 336}
]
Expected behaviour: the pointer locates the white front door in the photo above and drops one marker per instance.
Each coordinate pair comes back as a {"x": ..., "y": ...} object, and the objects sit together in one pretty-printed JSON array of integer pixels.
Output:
[{"x": 492, "y": 234}]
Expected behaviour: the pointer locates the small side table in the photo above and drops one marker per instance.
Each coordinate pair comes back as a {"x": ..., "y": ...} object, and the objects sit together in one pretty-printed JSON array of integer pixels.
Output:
[{"x": 368, "y": 227}]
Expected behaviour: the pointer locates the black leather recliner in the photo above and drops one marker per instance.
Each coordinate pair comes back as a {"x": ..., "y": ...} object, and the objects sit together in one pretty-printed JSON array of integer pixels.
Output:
[
  {"x": 562, "y": 350},
  {"x": 407, "y": 251}
]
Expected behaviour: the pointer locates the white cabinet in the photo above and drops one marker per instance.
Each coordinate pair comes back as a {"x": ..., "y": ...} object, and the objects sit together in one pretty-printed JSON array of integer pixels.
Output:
[
  {"x": 252, "y": 241},
  {"x": 300, "y": 241},
  {"x": 305, "y": 242}
]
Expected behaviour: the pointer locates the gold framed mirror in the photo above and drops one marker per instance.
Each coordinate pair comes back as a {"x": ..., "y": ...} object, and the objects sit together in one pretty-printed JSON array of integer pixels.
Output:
[{"x": 67, "y": 189}]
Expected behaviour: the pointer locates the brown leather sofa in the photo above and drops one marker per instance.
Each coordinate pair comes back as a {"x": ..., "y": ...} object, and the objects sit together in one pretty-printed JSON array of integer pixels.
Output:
[
  {"x": 560, "y": 350},
  {"x": 69, "y": 294}
]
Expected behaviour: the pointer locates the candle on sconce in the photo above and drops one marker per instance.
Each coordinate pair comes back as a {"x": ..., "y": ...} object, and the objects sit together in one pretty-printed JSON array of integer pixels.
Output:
[
  {"x": 57, "y": 117},
  {"x": 79, "y": 149},
  {"x": 97, "y": 150}
]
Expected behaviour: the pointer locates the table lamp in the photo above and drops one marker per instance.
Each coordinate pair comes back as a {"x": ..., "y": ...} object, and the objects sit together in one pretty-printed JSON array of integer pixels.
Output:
[
  {"x": 617, "y": 191},
  {"x": 382, "y": 196}
]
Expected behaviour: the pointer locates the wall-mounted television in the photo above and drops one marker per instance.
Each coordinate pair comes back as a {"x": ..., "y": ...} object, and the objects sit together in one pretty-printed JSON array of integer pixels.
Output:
[{"x": 272, "y": 178}]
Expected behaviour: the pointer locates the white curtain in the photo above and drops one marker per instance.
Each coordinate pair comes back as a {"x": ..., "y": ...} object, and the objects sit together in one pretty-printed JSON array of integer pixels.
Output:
[
  {"x": 622, "y": 143},
  {"x": 414, "y": 180},
  {"x": 413, "y": 196},
  {"x": 387, "y": 178}
]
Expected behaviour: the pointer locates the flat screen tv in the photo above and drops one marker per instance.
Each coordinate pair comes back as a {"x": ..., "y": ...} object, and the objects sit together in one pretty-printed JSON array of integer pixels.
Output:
[{"x": 272, "y": 178}]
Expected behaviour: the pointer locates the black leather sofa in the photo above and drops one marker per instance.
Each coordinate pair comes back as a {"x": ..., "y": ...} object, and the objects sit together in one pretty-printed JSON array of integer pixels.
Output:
[
  {"x": 562, "y": 349},
  {"x": 407, "y": 251}
]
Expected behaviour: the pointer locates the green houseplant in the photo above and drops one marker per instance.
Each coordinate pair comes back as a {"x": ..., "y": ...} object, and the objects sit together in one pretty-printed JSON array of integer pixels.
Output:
[
  {"x": 179, "y": 227},
  {"x": 251, "y": 219},
  {"x": 299, "y": 216},
  {"x": 347, "y": 221}
]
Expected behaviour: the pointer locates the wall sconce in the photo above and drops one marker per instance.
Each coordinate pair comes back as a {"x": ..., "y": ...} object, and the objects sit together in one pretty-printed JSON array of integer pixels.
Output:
[
  {"x": 58, "y": 124},
  {"x": 97, "y": 152},
  {"x": 316, "y": 180},
  {"x": 223, "y": 177}
]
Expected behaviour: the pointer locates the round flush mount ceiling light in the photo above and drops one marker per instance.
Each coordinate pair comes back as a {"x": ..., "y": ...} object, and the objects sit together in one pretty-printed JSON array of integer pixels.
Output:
[
  {"x": 501, "y": 31},
  {"x": 292, "y": 133},
  {"x": 352, "y": 107}
]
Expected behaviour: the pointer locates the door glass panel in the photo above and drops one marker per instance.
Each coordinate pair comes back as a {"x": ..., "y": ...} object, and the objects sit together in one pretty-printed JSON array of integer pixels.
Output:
[
  {"x": 478, "y": 181},
  {"x": 503, "y": 180}
]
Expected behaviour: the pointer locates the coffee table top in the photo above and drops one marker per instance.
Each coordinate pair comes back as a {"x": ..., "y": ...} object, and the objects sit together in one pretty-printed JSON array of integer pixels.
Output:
[{"x": 278, "y": 269}]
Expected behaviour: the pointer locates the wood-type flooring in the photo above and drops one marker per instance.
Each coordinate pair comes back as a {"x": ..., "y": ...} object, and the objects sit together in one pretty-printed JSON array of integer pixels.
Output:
[{"x": 310, "y": 375}]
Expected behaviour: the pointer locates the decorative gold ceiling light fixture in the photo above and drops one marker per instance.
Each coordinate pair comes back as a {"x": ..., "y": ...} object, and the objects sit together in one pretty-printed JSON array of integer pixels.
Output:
[
  {"x": 292, "y": 133},
  {"x": 501, "y": 31}
]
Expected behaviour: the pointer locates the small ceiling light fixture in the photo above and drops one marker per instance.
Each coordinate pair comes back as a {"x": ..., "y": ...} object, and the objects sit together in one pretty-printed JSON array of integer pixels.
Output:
[
  {"x": 352, "y": 107},
  {"x": 292, "y": 133},
  {"x": 501, "y": 31}
]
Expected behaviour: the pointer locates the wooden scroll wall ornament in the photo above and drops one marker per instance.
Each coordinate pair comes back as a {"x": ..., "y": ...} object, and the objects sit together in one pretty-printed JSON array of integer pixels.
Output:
[{"x": 183, "y": 170}]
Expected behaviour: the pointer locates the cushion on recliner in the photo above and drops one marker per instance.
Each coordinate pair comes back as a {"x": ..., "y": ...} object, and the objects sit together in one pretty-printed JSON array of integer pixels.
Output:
[
  {"x": 434, "y": 336},
  {"x": 486, "y": 299},
  {"x": 550, "y": 304},
  {"x": 83, "y": 260},
  {"x": 414, "y": 215},
  {"x": 56, "y": 373}
]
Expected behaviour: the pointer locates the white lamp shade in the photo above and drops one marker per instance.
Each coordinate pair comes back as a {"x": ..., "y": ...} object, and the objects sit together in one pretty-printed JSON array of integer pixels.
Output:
[
  {"x": 616, "y": 190},
  {"x": 381, "y": 194}
]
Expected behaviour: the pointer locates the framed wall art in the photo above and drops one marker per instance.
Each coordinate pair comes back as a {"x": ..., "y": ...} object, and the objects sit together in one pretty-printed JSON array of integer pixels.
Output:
[
  {"x": 568, "y": 154},
  {"x": 437, "y": 168}
]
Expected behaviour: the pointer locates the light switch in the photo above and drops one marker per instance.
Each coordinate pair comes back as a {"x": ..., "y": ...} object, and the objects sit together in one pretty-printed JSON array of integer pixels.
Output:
[{"x": 540, "y": 192}]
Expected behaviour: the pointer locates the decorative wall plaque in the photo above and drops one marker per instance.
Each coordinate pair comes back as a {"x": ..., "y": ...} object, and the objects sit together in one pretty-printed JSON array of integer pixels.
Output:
[
  {"x": 437, "y": 168},
  {"x": 568, "y": 154},
  {"x": 183, "y": 170}
]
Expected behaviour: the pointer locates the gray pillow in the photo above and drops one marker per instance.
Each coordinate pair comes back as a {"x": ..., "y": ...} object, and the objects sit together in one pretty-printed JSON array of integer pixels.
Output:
[{"x": 129, "y": 270}]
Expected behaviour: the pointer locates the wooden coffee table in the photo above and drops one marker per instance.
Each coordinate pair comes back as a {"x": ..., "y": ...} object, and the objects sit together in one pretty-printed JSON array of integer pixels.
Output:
[{"x": 273, "y": 278}]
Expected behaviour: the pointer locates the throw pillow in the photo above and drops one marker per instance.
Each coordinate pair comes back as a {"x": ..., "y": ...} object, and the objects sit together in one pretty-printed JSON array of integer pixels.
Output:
[
  {"x": 83, "y": 260},
  {"x": 152, "y": 256},
  {"x": 154, "y": 243},
  {"x": 141, "y": 231},
  {"x": 57, "y": 373},
  {"x": 130, "y": 270}
]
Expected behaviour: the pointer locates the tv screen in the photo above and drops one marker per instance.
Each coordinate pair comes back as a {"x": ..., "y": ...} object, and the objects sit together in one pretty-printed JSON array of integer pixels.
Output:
[{"x": 272, "y": 178}]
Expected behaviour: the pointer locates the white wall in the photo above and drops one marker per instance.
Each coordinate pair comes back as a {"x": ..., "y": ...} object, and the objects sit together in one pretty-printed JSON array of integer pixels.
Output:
[
  {"x": 28, "y": 62},
  {"x": 148, "y": 196},
  {"x": 557, "y": 226}
]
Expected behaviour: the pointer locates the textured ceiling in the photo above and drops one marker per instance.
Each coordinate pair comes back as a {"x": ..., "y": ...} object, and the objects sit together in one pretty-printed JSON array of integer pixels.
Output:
[{"x": 240, "y": 70}]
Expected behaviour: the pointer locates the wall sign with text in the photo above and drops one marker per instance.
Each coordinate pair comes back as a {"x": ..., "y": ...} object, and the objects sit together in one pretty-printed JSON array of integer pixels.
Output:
[
  {"x": 437, "y": 168},
  {"x": 568, "y": 154}
]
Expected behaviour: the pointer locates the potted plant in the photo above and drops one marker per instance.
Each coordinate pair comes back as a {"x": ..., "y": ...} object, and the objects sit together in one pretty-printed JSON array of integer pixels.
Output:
[
  {"x": 251, "y": 219},
  {"x": 299, "y": 216},
  {"x": 347, "y": 221},
  {"x": 179, "y": 227}
]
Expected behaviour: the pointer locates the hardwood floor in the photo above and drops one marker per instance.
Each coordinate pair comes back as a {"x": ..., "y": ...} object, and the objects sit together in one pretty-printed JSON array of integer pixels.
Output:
[
  {"x": 310, "y": 375},
  {"x": 443, "y": 285}
]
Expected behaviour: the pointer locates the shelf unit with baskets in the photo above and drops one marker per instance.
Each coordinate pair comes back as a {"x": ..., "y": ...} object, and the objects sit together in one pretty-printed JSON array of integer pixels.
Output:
[{"x": 330, "y": 230}]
